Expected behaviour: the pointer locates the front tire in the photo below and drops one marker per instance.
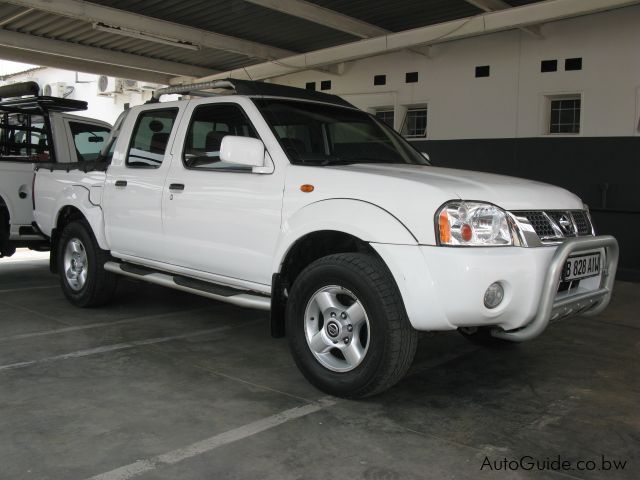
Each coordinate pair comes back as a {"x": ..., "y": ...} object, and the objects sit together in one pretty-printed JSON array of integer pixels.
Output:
[
  {"x": 347, "y": 326},
  {"x": 81, "y": 261}
]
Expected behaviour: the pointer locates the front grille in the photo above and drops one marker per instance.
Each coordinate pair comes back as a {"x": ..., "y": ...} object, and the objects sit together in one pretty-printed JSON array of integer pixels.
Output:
[
  {"x": 539, "y": 222},
  {"x": 582, "y": 222},
  {"x": 557, "y": 224}
]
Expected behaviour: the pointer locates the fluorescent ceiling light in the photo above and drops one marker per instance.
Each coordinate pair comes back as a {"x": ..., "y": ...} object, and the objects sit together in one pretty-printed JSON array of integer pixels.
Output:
[{"x": 126, "y": 32}]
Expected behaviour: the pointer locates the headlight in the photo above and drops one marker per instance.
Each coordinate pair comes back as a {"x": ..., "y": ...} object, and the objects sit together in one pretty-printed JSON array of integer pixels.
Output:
[{"x": 473, "y": 224}]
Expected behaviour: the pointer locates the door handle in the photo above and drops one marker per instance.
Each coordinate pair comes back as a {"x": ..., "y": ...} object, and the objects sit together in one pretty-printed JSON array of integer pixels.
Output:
[
  {"x": 121, "y": 183},
  {"x": 176, "y": 187}
]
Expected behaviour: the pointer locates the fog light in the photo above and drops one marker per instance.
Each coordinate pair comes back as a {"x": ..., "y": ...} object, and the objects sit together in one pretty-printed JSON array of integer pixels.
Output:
[{"x": 494, "y": 295}]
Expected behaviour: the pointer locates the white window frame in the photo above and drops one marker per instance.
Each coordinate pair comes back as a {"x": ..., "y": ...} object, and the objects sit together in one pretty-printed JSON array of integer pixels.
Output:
[
  {"x": 548, "y": 101},
  {"x": 386, "y": 110},
  {"x": 413, "y": 108}
]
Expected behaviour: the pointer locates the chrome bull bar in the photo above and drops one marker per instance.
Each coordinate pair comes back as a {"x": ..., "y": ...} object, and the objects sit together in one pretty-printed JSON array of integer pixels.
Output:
[{"x": 587, "y": 303}]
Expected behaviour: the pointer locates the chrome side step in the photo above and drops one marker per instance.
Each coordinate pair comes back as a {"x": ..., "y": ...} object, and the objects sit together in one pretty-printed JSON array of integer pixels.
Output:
[{"x": 222, "y": 293}]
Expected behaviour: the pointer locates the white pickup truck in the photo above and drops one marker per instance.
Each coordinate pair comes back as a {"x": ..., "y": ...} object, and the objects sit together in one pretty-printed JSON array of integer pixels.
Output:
[
  {"x": 36, "y": 130},
  {"x": 296, "y": 202}
]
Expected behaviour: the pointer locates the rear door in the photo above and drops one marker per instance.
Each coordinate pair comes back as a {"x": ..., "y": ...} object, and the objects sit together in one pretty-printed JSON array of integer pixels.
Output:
[{"x": 135, "y": 181}]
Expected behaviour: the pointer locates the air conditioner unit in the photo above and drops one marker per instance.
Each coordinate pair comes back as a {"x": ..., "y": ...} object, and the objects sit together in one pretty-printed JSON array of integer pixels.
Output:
[
  {"x": 149, "y": 87},
  {"x": 108, "y": 86},
  {"x": 56, "y": 89},
  {"x": 129, "y": 85}
]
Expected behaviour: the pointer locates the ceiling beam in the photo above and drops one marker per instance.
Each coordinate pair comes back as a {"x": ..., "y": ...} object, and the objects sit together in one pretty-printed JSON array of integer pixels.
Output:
[
  {"x": 327, "y": 18},
  {"x": 512, "y": 18},
  {"x": 495, "y": 5},
  {"x": 58, "y": 48},
  {"x": 93, "y": 13},
  {"x": 65, "y": 63},
  {"x": 322, "y": 16},
  {"x": 15, "y": 16}
]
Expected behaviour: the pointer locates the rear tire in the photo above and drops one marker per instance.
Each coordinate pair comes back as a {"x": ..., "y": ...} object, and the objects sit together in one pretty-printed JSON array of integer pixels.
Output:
[
  {"x": 6, "y": 249},
  {"x": 348, "y": 330},
  {"x": 81, "y": 261}
]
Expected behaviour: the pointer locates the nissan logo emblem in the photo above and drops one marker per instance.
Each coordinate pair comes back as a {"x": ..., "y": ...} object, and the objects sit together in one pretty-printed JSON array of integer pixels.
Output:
[
  {"x": 565, "y": 223},
  {"x": 333, "y": 329}
]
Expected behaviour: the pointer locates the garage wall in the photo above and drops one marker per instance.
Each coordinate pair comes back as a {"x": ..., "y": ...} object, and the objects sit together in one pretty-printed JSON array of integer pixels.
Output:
[
  {"x": 512, "y": 101},
  {"x": 82, "y": 86},
  {"x": 500, "y": 123}
]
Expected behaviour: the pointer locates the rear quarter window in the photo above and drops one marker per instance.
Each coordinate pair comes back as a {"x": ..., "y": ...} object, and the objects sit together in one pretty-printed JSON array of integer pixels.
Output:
[{"x": 88, "y": 140}]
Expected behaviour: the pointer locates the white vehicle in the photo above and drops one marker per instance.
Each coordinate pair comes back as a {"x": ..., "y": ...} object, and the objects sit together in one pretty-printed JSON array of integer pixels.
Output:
[
  {"x": 36, "y": 130},
  {"x": 296, "y": 202}
]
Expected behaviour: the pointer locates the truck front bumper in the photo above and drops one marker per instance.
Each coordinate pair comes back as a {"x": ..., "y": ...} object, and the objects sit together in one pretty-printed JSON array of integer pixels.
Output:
[{"x": 443, "y": 288}]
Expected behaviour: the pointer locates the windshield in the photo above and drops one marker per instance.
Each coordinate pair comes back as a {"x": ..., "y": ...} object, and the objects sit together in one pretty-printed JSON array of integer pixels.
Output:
[{"x": 320, "y": 134}]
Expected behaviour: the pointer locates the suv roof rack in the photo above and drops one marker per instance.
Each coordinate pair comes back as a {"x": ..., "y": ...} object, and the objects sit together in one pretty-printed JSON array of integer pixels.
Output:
[
  {"x": 249, "y": 88},
  {"x": 23, "y": 98}
]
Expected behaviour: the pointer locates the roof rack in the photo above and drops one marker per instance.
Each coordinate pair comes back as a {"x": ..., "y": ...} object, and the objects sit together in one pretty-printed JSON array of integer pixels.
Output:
[
  {"x": 248, "y": 88},
  {"x": 23, "y": 98}
]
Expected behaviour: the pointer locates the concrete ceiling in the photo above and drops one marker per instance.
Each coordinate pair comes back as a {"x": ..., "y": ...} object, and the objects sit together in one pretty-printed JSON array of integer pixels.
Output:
[{"x": 165, "y": 41}]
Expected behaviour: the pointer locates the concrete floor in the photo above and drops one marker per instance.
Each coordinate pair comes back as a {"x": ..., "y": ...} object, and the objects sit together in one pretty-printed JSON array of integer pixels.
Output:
[{"x": 165, "y": 385}]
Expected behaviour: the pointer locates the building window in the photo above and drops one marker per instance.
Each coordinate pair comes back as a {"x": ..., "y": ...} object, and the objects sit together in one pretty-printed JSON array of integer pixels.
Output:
[
  {"x": 564, "y": 115},
  {"x": 325, "y": 85},
  {"x": 386, "y": 115},
  {"x": 573, "y": 64},
  {"x": 411, "y": 77},
  {"x": 415, "y": 123},
  {"x": 483, "y": 71},
  {"x": 310, "y": 86},
  {"x": 549, "y": 66},
  {"x": 380, "y": 80}
]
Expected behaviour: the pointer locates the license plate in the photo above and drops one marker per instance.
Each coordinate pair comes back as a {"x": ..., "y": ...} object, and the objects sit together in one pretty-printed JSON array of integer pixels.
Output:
[{"x": 582, "y": 266}]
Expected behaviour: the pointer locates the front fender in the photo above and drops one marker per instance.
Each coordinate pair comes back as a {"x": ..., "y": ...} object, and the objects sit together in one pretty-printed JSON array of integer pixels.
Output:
[
  {"x": 78, "y": 197},
  {"x": 358, "y": 218}
]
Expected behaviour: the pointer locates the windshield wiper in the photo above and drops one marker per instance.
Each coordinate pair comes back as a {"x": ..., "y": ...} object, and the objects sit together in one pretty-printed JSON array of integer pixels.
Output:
[{"x": 350, "y": 161}]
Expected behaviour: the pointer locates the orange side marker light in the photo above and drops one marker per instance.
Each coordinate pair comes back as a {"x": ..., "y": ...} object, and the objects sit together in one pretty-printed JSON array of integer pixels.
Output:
[
  {"x": 445, "y": 228},
  {"x": 306, "y": 188}
]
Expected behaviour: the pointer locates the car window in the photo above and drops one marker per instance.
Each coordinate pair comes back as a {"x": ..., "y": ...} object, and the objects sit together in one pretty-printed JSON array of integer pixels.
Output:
[
  {"x": 321, "y": 134},
  {"x": 88, "y": 140},
  {"x": 109, "y": 146},
  {"x": 209, "y": 125},
  {"x": 150, "y": 138},
  {"x": 23, "y": 136}
]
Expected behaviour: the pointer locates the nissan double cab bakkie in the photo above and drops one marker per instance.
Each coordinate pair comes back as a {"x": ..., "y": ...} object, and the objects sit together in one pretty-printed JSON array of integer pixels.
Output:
[
  {"x": 37, "y": 130},
  {"x": 296, "y": 202}
]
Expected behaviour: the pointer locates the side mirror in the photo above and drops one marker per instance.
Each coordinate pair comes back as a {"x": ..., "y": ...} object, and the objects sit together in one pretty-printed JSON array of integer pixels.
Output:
[
  {"x": 426, "y": 155},
  {"x": 242, "y": 151}
]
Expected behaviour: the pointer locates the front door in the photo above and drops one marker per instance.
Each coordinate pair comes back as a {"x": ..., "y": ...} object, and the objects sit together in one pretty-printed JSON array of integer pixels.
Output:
[
  {"x": 135, "y": 181},
  {"x": 220, "y": 218}
]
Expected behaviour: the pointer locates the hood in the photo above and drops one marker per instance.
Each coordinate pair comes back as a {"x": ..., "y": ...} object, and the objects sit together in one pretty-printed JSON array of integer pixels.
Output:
[
  {"x": 413, "y": 193},
  {"x": 509, "y": 193}
]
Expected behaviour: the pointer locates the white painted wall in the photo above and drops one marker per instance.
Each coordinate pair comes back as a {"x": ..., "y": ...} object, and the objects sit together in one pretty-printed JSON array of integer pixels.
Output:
[
  {"x": 85, "y": 87},
  {"x": 512, "y": 101}
]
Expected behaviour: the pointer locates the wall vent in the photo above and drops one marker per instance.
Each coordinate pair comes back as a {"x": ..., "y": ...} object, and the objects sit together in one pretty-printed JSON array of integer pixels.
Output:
[
  {"x": 483, "y": 71},
  {"x": 549, "y": 66}
]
